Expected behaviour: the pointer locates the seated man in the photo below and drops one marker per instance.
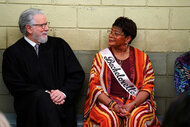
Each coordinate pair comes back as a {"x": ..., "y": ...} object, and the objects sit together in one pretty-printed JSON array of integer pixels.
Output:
[
  {"x": 182, "y": 73},
  {"x": 43, "y": 75}
]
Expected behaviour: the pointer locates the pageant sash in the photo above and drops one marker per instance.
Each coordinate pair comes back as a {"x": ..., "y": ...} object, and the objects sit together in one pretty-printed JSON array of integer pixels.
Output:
[{"x": 118, "y": 72}]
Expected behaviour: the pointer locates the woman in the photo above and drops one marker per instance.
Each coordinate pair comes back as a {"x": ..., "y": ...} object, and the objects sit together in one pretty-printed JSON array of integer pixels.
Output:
[
  {"x": 182, "y": 73},
  {"x": 121, "y": 93}
]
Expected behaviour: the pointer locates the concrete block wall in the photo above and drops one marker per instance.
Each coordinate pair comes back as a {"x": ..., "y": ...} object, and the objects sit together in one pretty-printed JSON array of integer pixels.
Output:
[{"x": 163, "y": 33}]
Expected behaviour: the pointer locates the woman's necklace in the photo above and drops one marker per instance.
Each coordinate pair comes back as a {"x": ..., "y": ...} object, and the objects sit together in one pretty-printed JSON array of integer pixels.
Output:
[{"x": 119, "y": 61}]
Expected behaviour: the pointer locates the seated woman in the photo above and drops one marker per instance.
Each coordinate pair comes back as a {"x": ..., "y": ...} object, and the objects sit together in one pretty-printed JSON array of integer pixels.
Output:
[
  {"x": 182, "y": 73},
  {"x": 121, "y": 84}
]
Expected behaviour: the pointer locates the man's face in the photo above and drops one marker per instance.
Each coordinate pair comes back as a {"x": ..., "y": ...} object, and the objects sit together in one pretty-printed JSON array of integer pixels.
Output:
[{"x": 39, "y": 29}]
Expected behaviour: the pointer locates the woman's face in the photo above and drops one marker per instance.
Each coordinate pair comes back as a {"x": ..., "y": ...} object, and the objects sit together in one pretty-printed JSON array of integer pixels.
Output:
[{"x": 116, "y": 37}]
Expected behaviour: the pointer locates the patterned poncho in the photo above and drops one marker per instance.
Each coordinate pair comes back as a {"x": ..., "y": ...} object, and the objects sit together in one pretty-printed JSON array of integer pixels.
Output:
[
  {"x": 142, "y": 75},
  {"x": 182, "y": 73}
]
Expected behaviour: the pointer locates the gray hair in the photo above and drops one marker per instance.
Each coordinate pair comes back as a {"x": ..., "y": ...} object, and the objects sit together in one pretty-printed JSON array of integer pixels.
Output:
[{"x": 26, "y": 18}]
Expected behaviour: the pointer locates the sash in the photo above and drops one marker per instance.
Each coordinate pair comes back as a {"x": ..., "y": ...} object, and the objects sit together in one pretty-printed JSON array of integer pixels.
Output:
[{"x": 118, "y": 72}]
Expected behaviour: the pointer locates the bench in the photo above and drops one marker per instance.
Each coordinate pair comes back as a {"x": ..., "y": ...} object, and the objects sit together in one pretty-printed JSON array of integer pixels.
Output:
[{"x": 12, "y": 119}]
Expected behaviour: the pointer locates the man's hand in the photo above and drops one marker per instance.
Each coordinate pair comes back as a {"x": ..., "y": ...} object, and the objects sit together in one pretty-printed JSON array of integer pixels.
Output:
[{"x": 57, "y": 96}]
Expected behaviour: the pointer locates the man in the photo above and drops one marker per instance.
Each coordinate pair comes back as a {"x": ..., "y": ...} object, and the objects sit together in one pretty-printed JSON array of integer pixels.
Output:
[{"x": 44, "y": 80}]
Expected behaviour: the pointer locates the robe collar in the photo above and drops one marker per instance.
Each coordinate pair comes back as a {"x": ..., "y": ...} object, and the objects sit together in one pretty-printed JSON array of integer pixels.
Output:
[{"x": 29, "y": 41}]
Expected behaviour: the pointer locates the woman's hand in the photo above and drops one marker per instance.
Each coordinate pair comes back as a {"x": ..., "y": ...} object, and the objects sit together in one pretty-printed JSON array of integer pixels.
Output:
[
  {"x": 129, "y": 107},
  {"x": 124, "y": 110},
  {"x": 121, "y": 111},
  {"x": 117, "y": 108}
]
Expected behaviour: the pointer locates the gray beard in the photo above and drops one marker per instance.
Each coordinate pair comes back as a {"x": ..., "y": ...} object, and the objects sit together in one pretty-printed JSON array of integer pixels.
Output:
[{"x": 41, "y": 40}]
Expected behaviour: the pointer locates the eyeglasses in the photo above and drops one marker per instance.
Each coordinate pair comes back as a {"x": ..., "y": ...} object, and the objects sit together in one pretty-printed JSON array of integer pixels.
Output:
[
  {"x": 43, "y": 25},
  {"x": 115, "y": 33}
]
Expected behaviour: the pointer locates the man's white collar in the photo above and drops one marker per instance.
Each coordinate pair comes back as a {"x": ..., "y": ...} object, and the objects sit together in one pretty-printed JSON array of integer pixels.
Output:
[{"x": 29, "y": 41}]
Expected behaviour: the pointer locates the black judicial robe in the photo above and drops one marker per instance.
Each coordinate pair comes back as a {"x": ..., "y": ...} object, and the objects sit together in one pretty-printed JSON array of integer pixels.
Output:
[{"x": 27, "y": 76}]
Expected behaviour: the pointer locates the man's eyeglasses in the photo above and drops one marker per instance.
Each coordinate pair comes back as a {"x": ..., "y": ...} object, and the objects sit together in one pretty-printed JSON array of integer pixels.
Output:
[
  {"x": 115, "y": 33},
  {"x": 43, "y": 25}
]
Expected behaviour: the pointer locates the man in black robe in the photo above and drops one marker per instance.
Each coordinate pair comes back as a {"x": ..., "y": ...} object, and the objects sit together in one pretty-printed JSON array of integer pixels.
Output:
[{"x": 45, "y": 80}]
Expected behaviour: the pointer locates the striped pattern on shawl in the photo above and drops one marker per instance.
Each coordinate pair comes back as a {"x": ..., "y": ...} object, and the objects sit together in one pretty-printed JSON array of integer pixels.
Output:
[{"x": 96, "y": 113}]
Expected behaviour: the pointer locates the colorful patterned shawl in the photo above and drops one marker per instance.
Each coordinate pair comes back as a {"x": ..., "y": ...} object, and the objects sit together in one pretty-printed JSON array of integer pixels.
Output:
[
  {"x": 142, "y": 77},
  {"x": 182, "y": 73}
]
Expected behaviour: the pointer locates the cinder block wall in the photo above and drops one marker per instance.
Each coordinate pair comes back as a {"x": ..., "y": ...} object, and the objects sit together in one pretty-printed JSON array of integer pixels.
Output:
[{"x": 163, "y": 33}]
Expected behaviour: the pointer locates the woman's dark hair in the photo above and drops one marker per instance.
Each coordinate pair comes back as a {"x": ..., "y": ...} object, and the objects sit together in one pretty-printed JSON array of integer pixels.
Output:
[{"x": 127, "y": 26}]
